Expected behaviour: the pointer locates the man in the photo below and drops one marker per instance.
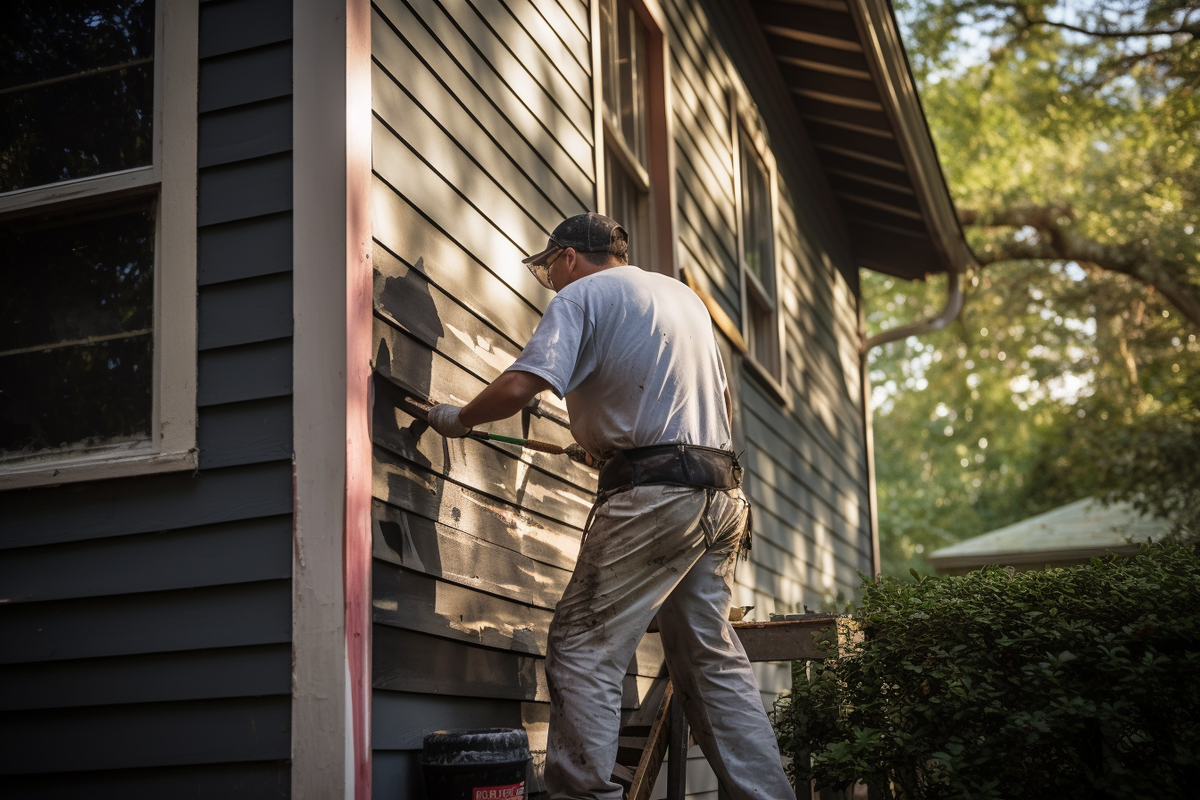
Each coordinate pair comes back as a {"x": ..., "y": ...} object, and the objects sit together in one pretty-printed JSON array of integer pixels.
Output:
[{"x": 633, "y": 354}]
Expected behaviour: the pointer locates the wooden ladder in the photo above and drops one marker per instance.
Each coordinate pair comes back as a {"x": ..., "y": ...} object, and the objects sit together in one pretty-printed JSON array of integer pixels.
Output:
[{"x": 642, "y": 749}]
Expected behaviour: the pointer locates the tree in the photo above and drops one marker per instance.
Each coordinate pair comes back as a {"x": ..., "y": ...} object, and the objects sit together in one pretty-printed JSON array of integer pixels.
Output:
[{"x": 1074, "y": 368}]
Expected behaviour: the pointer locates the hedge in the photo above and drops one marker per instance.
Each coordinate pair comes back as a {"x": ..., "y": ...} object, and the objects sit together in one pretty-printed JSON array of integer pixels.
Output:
[{"x": 1081, "y": 682}]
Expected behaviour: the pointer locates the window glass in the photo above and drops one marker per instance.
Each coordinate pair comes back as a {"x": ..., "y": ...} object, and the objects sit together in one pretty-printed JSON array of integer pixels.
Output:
[
  {"x": 76, "y": 329},
  {"x": 623, "y": 49},
  {"x": 76, "y": 89},
  {"x": 758, "y": 257},
  {"x": 758, "y": 239}
]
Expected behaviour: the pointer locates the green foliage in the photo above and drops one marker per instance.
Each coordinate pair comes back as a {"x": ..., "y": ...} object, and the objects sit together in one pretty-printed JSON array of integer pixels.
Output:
[
  {"x": 1081, "y": 682},
  {"x": 1081, "y": 379}
]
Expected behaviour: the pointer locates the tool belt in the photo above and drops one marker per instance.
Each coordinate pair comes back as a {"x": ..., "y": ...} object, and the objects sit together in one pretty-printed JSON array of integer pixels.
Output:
[{"x": 679, "y": 464}]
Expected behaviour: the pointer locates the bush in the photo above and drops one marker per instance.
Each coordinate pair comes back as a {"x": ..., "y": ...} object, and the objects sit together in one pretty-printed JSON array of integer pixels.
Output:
[{"x": 1081, "y": 682}]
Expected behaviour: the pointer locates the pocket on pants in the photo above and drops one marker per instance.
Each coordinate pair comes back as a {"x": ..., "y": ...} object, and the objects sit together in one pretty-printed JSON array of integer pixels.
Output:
[{"x": 723, "y": 521}]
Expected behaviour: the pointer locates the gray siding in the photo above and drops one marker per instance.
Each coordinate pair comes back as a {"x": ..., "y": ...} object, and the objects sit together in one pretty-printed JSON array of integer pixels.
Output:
[
  {"x": 147, "y": 621},
  {"x": 482, "y": 142}
]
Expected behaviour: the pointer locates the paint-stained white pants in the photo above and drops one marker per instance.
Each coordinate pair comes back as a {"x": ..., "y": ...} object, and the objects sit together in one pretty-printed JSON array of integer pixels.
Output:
[{"x": 668, "y": 550}]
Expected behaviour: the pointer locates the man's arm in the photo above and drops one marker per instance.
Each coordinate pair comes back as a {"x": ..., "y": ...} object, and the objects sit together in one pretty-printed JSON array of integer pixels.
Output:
[
  {"x": 504, "y": 397},
  {"x": 729, "y": 407}
]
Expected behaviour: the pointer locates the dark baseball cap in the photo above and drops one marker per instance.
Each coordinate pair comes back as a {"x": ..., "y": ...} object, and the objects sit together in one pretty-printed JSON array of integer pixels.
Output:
[{"x": 587, "y": 233}]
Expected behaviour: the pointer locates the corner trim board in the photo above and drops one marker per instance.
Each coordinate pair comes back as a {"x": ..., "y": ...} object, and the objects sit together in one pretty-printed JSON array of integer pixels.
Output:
[{"x": 331, "y": 748}]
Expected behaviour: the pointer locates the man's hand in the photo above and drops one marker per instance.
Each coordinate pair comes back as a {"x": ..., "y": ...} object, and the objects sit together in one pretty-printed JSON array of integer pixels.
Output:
[{"x": 443, "y": 418}]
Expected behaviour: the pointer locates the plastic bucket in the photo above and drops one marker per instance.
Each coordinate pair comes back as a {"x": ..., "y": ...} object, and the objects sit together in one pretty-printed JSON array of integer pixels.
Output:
[{"x": 488, "y": 764}]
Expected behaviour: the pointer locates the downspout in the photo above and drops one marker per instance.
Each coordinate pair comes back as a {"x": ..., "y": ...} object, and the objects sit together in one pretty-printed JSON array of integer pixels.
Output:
[{"x": 954, "y": 304}]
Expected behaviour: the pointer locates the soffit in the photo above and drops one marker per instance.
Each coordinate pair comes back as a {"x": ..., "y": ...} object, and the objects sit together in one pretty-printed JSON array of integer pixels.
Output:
[{"x": 848, "y": 76}]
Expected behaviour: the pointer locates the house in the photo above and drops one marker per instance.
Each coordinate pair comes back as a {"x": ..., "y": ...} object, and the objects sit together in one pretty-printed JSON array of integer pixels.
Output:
[
  {"x": 237, "y": 234},
  {"x": 1062, "y": 537}
]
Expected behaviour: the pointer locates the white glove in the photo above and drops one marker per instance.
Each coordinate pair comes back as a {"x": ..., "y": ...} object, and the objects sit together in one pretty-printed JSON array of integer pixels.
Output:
[{"x": 443, "y": 418}]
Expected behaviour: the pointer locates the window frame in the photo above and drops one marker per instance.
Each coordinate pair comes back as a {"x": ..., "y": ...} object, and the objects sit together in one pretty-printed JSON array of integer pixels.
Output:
[
  {"x": 654, "y": 179},
  {"x": 746, "y": 126},
  {"x": 173, "y": 178}
]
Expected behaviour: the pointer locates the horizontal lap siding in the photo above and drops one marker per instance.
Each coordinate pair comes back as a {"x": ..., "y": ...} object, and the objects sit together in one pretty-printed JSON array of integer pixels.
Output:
[
  {"x": 482, "y": 142},
  {"x": 147, "y": 621},
  {"x": 805, "y": 459}
]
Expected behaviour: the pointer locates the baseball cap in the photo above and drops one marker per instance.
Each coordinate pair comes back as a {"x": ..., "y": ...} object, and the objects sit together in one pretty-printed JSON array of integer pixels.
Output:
[{"x": 587, "y": 233}]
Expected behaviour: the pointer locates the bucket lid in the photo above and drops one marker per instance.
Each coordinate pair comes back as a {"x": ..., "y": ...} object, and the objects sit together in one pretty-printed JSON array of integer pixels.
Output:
[{"x": 483, "y": 746}]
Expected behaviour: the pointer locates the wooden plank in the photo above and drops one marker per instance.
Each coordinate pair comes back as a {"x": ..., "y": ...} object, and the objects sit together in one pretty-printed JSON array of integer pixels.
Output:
[
  {"x": 714, "y": 200},
  {"x": 415, "y": 662},
  {"x": 791, "y": 640},
  {"x": 442, "y": 552},
  {"x": 245, "y": 132},
  {"x": 245, "y": 249},
  {"x": 783, "y": 468},
  {"x": 562, "y": 72},
  {"x": 417, "y": 242},
  {"x": 506, "y": 198},
  {"x": 248, "y": 77},
  {"x": 212, "y": 555},
  {"x": 415, "y": 602},
  {"x": 154, "y": 734},
  {"x": 776, "y": 520},
  {"x": 437, "y": 38},
  {"x": 249, "y": 372},
  {"x": 480, "y": 229},
  {"x": 400, "y": 720},
  {"x": 263, "y": 780},
  {"x": 559, "y": 108},
  {"x": 560, "y": 38},
  {"x": 193, "y": 619},
  {"x": 452, "y": 668},
  {"x": 192, "y": 675},
  {"x": 241, "y": 25},
  {"x": 477, "y": 127},
  {"x": 491, "y": 468},
  {"x": 242, "y": 312},
  {"x": 144, "y": 504},
  {"x": 407, "y": 368},
  {"x": 404, "y": 485},
  {"x": 245, "y": 189},
  {"x": 245, "y": 433}
]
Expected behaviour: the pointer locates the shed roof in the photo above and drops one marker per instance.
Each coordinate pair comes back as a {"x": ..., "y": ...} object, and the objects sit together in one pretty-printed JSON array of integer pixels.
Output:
[
  {"x": 848, "y": 75},
  {"x": 1069, "y": 534}
]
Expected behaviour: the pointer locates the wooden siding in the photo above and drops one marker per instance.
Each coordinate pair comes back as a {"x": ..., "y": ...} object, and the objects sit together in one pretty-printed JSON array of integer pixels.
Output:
[
  {"x": 481, "y": 144},
  {"x": 147, "y": 621}
]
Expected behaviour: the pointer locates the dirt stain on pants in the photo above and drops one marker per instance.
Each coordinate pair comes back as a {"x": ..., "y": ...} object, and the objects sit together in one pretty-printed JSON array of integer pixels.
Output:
[{"x": 666, "y": 550}]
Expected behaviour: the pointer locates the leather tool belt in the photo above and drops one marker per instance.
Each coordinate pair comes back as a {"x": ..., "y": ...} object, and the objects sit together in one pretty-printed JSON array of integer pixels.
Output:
[{"x": 679, "y": 464}]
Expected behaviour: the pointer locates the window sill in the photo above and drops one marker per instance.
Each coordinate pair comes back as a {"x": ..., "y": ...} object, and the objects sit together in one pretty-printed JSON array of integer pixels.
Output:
[
  {"x": 93, "y": 467},
  {"x": 774, "y": 389}
]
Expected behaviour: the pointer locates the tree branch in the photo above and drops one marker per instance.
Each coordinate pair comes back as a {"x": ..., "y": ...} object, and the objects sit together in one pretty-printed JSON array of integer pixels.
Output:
[{"x": 1057, "y": 241}]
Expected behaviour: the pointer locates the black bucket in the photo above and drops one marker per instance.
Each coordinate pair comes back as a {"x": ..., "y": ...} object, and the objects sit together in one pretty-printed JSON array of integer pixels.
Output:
[{"x": 487, "y": 764}]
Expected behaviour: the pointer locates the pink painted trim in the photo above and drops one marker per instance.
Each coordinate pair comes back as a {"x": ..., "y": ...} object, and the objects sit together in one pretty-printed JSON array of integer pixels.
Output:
[{"x": 359, "y": 300}]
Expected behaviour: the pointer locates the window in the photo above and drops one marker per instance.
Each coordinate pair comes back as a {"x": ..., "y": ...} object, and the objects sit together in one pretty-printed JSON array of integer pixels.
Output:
[
  {"x": 757, "y": 253},
  {"x": 633, "y": 129},
  {"x": 97, "y": 238}
]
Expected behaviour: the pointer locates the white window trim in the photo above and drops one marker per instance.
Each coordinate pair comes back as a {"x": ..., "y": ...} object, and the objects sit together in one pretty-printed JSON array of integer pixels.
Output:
[
  {"x": 744, "y": 118},
  {"x": 173, "y": 424}
]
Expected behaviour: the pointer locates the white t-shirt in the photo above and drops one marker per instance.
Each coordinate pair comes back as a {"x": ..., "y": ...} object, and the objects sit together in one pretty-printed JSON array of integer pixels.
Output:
[{"x": 633, "y": 354}]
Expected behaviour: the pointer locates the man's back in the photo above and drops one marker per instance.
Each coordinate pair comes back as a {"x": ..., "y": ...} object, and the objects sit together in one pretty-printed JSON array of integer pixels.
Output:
[{"x": 634, "y": 355}]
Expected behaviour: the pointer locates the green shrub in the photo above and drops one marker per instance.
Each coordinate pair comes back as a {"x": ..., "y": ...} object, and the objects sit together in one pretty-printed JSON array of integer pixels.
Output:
[{"x": 1081, "y": 682}]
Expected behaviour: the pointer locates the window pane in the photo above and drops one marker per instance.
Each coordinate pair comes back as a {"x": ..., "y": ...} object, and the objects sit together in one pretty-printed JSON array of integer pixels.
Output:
[
  {"x": 76, "y": 319},
  {"x": 758, "y": 241},
  {"x": 628, "y": 205},
  {"x": 76, "y": 89},
  {"x": 624, "y": 55}
]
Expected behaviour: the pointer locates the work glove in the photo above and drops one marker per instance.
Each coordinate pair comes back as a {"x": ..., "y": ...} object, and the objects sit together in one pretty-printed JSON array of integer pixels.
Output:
[{"x": 443, "y": 418}]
